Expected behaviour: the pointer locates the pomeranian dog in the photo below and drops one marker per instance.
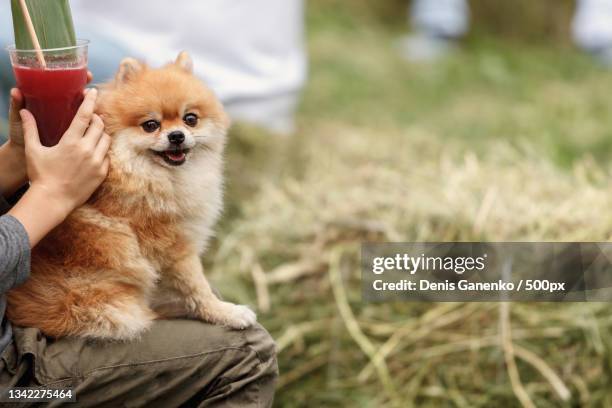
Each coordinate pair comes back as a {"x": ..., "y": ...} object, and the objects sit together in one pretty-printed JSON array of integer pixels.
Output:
[{"x": 132, "y": 253}]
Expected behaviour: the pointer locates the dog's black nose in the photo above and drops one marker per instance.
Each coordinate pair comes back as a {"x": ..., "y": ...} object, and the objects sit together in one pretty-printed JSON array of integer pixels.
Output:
[{"x": 176, "y": 137}]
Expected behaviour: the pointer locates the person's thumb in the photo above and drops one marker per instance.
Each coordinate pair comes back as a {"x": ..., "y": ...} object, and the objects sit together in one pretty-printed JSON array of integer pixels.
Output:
[{"x": 30, "y": 131}]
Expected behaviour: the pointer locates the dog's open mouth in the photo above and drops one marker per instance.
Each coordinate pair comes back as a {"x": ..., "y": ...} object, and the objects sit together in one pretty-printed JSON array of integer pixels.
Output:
[{"x": 174, "y": 157}]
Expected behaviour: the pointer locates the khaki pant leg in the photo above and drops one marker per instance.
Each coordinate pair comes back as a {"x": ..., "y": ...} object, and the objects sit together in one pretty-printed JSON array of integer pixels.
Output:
[{"x": 178, "y": 362}]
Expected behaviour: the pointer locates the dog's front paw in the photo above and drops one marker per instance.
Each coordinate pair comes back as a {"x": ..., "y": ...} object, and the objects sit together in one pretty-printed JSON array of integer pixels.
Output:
[{"x": 235, "y": 316}]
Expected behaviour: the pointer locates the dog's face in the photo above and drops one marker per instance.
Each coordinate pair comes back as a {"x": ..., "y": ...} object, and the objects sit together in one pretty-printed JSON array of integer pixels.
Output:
[{"x": 161, "y": 118}]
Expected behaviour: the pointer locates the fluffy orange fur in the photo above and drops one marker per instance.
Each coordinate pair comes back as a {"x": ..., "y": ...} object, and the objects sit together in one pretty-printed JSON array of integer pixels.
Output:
[{"x": 132, "y": 253}]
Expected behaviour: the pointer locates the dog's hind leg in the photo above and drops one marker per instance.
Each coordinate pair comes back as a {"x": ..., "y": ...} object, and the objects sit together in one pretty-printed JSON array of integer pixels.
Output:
[
  {"x": 102, "y": 310},
  {"x": 123, "y": 318}
]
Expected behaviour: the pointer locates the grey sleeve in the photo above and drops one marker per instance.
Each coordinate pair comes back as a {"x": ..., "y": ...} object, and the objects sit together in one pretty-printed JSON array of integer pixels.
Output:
[{"x": 14, "y": 251}]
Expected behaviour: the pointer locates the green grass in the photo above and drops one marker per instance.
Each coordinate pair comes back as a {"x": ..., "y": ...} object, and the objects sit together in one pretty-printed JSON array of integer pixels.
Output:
[{"x": 493, "y": 89}]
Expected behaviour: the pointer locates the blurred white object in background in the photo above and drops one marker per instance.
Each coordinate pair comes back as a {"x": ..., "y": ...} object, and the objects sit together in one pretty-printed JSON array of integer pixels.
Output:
[
  {"x": 592, "y": 28},
  {"x": 441, "y": 18},
  {"x": 438, "y": 24},
  {"x": 250, "y": 52}
]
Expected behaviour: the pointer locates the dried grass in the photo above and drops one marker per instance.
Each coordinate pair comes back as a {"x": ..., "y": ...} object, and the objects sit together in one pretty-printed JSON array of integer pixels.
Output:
[{"x": 299, "y": 240}]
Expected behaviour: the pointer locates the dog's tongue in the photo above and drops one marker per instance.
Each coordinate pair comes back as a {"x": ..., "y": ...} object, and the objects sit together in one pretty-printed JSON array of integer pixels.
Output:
[{"x": 176, "y": 156}]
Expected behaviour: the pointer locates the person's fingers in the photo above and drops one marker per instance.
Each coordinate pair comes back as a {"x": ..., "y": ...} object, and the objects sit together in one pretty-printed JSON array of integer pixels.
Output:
[
  {"x": 17, "y": 104},
  {"x": 102, "y": 147},
  {"x": 15, "y": 127},
  {"x": 17, "y": 101},
  {"x": 83, "y": 117},
  {"x": 30, "y": 131},
  {"x": 89, "y": 77},
  {"x": 95, "y": 131}
]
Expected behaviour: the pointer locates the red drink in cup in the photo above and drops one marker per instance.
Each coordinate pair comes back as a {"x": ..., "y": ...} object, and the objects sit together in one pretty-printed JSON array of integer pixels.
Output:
[{"x": 52, "y": 93}]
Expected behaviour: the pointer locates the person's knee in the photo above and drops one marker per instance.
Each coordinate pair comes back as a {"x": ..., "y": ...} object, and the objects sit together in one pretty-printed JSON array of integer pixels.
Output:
[
  {"x": 245, "y": 369},
  {"x": 252, "y": 349},
  {"x": 264, "y": 347}
]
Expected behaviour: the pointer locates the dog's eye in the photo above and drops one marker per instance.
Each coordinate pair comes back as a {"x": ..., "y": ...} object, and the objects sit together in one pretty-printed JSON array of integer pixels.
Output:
[
  {"x": 151, "y": 126},
  {"x": 191, "y": 119}
]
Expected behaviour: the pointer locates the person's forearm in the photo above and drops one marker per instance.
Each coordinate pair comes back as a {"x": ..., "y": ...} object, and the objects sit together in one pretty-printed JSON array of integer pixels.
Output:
[
  {"x": 39, "y": 212},
  {"x": 12, "y": 169}
]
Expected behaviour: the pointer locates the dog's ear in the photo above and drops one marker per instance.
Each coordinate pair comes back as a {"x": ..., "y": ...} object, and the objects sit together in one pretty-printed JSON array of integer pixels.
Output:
[
  {"x": 128, "y": 69},
  {"x": 185, "y": 62}
]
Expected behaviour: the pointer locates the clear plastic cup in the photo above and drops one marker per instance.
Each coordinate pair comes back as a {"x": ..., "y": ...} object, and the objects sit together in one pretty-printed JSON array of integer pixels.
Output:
[{"x": 53, "y": 93}]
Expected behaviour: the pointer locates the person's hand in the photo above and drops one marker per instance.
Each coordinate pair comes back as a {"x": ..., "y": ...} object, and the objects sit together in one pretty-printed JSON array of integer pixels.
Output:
[
  {"x": 14, "y": 149},
  {"x": 62, "y": 177},
  {"x": 72, "y": 170}
]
